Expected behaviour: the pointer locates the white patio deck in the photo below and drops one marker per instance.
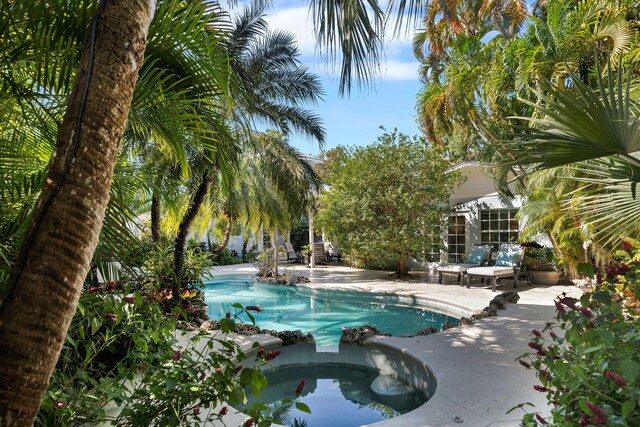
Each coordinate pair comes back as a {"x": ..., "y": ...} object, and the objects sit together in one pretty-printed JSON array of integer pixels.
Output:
[{"x": 477, "y": 375}]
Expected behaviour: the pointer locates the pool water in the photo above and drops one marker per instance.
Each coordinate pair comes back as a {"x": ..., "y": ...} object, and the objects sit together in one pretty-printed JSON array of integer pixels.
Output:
[
  {"x": 319, "y": 312},
  {"x": 338, "y": 395}
]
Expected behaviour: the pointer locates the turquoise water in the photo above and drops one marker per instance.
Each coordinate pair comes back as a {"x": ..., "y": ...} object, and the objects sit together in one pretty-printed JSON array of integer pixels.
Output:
[
  {"x": 321, "y": 313},
  {"x": 338, "y": 395}
]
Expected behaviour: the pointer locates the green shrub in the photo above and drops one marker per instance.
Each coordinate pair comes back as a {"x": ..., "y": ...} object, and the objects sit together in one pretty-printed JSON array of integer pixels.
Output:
[
  {"x": 226, "y": 257},
  {"x": 588, "y": 362},
  {"x": 120, "y": 364}
]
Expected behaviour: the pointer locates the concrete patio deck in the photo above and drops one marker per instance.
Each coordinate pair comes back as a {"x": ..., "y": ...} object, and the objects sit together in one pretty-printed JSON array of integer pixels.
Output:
[{"x": 478, "y": 379}]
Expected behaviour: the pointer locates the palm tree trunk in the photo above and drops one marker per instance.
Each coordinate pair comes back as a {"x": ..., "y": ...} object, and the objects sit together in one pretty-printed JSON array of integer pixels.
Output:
[
  {"x": 245, "y": 243},
  {"x": 227, "y": 235},
  {"x": 155, "y": 218},
  {"x": 45, "y": 284},
  {"x": 183, "y": 231},
  {"x": 274, "y": 245}
]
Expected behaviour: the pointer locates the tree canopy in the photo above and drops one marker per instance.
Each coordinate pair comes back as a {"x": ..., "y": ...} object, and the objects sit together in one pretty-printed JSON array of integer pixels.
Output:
[{"x": 385, "y": 200}]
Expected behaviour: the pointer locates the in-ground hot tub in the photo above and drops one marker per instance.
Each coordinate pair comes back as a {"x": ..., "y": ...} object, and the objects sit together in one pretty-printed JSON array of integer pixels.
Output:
[{"x": 357, "y": 385}]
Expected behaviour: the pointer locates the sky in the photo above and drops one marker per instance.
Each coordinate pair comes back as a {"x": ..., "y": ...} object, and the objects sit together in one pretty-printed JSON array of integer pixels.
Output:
[{"x": 354, "y": 119}]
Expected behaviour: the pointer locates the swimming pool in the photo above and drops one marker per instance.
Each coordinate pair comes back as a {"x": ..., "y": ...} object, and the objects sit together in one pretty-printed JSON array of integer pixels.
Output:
[{"x": 319, "y": 312}]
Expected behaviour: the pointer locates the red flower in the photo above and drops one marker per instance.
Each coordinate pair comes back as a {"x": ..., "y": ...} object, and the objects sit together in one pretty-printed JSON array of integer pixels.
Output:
[
  {"x": 569, "y": 302},
  {"x": 59, "y": 404},
  {"x": 559, "y": 307},
  {"x": 615, "y": 378},
  {"x": 599, "y": 417},
  {"x": 536, "y": 333},
  {"x": 553, "y": 335},
  {"x": 540, "y": 388},
  {"x": 299, "y": 388},
  {"x": 178, "y": 354},
  {"x": 238, "y": 369},
  {"x": 272, "y": 354},
  {"x": 111, "y": 285},
  {"x": 223, "y": 411},
  {"x": 525, "y": 364},
  {"x": 626, "y": 246},
  {"x": 541, "y": 353},
  {"x": 584, "y": 421},
  {"x": 544, "y": 373},
  {"x": 260, "y": 352},
  {"x": 95, "y": 290},
  {"x": 541, "y": 420},
  {"x": 196, "y": 411},
  {"x": 254, "y": 308},
  {"x": 585, "y": 311},
  {"x": 535, "y": 345},
  {"x": 129, "y": 300},
  {"x": 110, "y": 316},
  {"x": 248, "y": 423}
]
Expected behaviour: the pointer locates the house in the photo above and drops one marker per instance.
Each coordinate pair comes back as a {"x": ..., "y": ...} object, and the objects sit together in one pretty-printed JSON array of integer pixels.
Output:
[{"x": 480, "y": 216}]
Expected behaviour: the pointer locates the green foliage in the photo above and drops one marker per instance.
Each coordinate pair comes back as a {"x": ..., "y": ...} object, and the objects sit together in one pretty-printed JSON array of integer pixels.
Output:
[
  {"x": 226, "y": 257},
  {"x": 157, "y": 271},
  {"x": 121, "y": 364},
  {"x": 589, "y": 367},
  {"x": 540, "y": 260},
  {"x": 384, "y": 199}
]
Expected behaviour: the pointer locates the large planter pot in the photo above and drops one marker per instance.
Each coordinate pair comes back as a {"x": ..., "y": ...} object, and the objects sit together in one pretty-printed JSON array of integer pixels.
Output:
[{"x": 546, "y": 278}]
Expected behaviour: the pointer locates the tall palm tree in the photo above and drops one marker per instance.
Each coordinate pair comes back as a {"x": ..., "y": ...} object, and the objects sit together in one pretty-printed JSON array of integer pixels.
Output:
[
  {"x": 55, "y": 254},
  {"x": 270, "y": 85}
]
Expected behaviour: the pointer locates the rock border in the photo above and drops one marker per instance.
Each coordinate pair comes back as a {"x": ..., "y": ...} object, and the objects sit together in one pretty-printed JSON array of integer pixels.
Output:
[{"x": 499, "y": 302}]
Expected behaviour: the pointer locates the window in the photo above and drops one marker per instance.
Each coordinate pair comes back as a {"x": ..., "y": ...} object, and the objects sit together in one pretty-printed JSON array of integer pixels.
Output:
[
  {"x": 456, "y": 238},
  {"x": 431, "y": 252},
  {"x": 498, "y": 226},
  {"x": 236, "y": 230}
]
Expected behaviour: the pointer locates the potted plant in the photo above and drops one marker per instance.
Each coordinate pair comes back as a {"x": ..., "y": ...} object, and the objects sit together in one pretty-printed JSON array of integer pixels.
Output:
[
  {"x": 542, "y": 267},
  {"x": 306, "y": 253}
]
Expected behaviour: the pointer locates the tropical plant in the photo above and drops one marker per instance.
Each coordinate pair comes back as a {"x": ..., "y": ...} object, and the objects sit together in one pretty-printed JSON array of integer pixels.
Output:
[
  {"x": 587, "y": 362},
  {"x": 383, "y": 197},
  {"x": 121, "y": 364},
  {"x": 596, "y": 132}
]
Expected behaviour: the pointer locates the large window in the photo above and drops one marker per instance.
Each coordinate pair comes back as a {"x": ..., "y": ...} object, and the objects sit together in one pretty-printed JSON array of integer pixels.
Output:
[
  {"x": 498, "y": 226},
  {"x": 431, "y": 252},
  {"x": 456, "y": 238}
]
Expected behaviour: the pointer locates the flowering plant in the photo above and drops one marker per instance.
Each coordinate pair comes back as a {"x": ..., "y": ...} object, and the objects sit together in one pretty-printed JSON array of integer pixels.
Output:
[{"x": 588, "y": 363}]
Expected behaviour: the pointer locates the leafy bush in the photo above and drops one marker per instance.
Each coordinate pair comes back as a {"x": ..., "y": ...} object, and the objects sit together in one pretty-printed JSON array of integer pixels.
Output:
[
  {"x": 121, "y": 364},
  {"x": 385, "y": 199},
  {"x": 590, "y": 368},
  {"x": 158, "y": 268},
  {"x": 227, "y": 257}
]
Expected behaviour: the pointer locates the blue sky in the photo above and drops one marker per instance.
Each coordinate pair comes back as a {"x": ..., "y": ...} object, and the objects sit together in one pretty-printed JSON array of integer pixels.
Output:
[{"x": 353, "y": 120}]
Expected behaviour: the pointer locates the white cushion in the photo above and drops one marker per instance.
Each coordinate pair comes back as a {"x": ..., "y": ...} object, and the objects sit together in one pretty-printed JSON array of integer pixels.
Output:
[
  {"x": 455, "y": 268},
  {"x": 490, "y": 271}
]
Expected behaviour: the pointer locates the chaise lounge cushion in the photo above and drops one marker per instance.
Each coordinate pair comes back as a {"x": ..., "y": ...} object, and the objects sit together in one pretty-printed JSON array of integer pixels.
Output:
[
  {"x": 456, "y": 268},
  {"x": 491, "y": 271}
]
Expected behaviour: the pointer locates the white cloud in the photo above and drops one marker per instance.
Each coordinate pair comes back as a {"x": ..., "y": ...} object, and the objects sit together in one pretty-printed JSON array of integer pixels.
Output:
[
  {"x": 397, "y": 62},
  {"x": 396, "y": 70},
  {"x": 297, "y": 21}
]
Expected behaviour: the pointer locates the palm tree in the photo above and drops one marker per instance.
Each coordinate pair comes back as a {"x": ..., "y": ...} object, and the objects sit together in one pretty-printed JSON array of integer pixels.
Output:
[
  {"x": 55, "y": 254},
  {"x": 69, "y": 215},
  {"x": 597, "y": 132},
  {"x": 270, "y": 85}
]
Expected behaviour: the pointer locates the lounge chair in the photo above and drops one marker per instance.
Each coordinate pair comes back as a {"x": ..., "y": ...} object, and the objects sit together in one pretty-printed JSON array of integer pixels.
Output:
[
  {"x": 508, "y": 264},
  {"x": 479, "y": 256},
  {"x": 292, "y": 256}
]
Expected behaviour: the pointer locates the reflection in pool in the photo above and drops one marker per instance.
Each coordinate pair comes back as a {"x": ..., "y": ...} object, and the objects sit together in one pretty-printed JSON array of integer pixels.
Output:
[
  {"x": 338, "y": 395},
  {"x": 322, "y": 313}
]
